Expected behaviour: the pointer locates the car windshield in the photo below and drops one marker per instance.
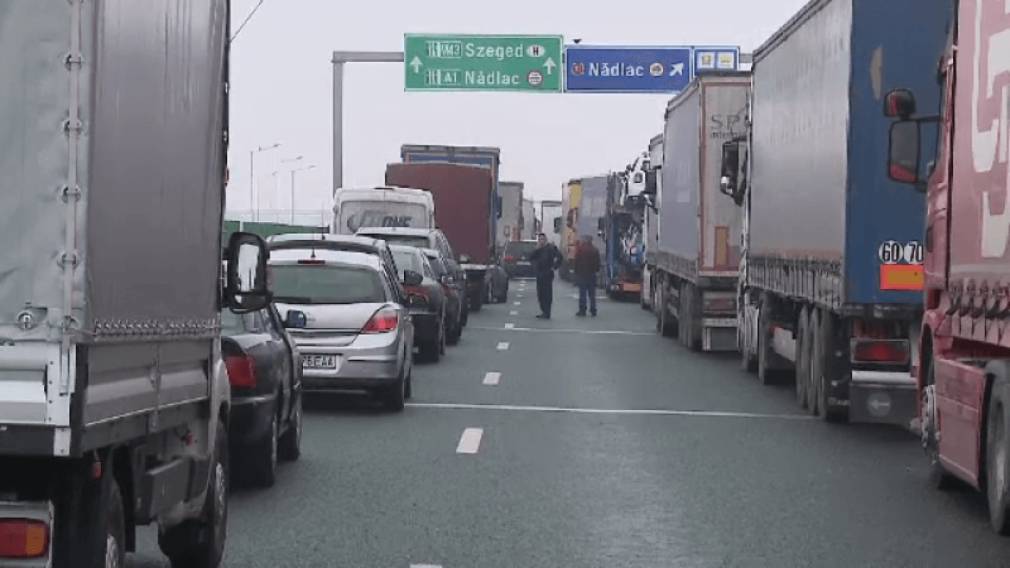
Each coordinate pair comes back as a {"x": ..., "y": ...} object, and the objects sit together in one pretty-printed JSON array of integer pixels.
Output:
[
  {"x": 407, "y": 259},
  {"x": 519, "y": 250},
  {"x": 326, "y": 284},
  {"x": 406, "y": 240}
]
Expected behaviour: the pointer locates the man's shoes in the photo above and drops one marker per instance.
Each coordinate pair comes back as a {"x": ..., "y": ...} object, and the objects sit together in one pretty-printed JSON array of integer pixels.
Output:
[
  {"x": 543, "y": 317},
  {"x": 593, "y": 314},
  {"x": 581, "y": 314}
]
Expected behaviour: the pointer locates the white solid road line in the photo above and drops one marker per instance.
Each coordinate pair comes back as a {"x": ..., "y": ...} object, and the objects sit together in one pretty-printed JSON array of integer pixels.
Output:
[
  {"x": 491, "y": 378},
  {"x": 510, "y": 325},
  {"x": 575, "y": 331},
  {"x": 614, "y": 411},
  {"x": 503, "y": 346},
  {"x": 425, "y": 566},
  {"x": 469, "y": 442}
]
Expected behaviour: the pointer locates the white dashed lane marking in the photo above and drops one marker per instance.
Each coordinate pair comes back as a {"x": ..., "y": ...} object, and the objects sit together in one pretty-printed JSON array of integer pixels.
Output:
[
  {"x": 510, "y": 326},
  {"x": 503, "y": 346},
  {"x": 469, "y": 442},
  {"x": 612, "y": 411},
  {"x": 492, "y": 378}
]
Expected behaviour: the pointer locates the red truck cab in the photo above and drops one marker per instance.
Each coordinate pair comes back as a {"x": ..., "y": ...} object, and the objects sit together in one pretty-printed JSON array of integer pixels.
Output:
[{"x": 963, "y": 370}]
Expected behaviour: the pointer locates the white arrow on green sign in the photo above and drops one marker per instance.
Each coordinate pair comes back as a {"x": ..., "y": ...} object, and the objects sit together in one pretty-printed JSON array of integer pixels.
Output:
[{"x": 482, "y": 63}]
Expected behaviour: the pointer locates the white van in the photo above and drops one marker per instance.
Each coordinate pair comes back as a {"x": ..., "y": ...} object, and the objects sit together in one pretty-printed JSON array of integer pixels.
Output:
[{"x": 382, "y": 206}]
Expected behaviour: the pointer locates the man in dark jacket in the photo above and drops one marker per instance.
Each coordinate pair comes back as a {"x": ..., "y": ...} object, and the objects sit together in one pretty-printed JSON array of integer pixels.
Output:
[
  {"x": 587, "y": 264},
  {"x": 545, "y": 259}
]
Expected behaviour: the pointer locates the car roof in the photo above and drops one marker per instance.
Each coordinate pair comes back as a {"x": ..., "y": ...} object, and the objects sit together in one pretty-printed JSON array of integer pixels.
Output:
[
  {"x": 346, "y": 258},
  {"x": 405, "y": 248},
  {"x": 407, "y": 231},
  {"x": 431, "y": 252},
  {"x": 332, "y": 242}
]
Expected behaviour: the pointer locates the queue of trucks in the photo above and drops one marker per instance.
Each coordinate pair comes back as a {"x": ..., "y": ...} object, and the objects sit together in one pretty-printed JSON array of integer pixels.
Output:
[{"x": 840, "y": 214}]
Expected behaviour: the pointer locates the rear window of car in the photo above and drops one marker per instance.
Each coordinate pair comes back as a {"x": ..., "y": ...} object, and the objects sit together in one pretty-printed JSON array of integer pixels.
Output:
[
  {"x": 405, "y": 240},
  {"x": 437, "y": 266},
  {"x": 407, "y": 260},
  {"x": 326, "y": 284},
  {"x": 520, "y": 250}
]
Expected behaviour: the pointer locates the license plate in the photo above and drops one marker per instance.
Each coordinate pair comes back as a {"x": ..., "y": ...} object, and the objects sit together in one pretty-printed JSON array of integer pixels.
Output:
[
  {"x": 523, "y": 263},
  {"x": 319, "y": 361}
]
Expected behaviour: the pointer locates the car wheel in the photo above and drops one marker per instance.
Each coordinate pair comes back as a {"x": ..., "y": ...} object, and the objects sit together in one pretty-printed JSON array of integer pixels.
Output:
[
  {"x": 408, "y": 389},
  {"x": 395, "y": 395},
  {"x": 262, "y": 456},
  {"x": 455, "y": 332},
  {"x": 199, "y": 543},
  {"x": 442, "y": 337},
  {"x": 997, "y": 454},
  {"x": 290, "y": 447}
]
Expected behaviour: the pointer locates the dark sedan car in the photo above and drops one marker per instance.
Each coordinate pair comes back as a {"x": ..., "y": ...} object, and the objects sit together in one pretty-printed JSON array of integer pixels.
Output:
[
  {"x": 516, "y": 259},
  {"x": 265, "y": 372},
  {"x": 455, "y": 295},
  {"x": 427, "y": 303}
]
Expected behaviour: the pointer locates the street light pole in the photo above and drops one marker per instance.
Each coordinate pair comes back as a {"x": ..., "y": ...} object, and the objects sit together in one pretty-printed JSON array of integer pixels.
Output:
[
  {"x": 293, "y": 172},
  {"x": 252, "y": 177}
]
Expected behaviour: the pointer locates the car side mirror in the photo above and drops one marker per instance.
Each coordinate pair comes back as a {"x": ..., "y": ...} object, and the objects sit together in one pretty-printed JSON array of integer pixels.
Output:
[
  {"x": 903, "y": 158},
  {"x": 411, "y": 278},
  {"x": 246, "y": 287},
  {"x": 296, "y": 319},
  {"x": 899, "y": 103},
  {"x": 730, "y": 168},
  {"x": 464, "y": 259}
]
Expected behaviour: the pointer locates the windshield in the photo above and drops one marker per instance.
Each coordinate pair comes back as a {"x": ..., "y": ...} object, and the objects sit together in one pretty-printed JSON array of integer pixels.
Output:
[
  {"x": 326, "y": 284},
  {"x": 356, "y": 215},
  {"x": 519, "y": 250}
]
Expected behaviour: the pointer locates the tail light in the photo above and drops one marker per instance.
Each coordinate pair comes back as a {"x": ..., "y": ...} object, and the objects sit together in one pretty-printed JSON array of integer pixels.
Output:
[
  {"x": 510, "y": 258},
  {"x": 417, "y": 294},
  {"x": 383, "y": 321},
  {"x": 241, "y": 371},
  {"x": 880, "y": 351},
  {"x": 23, "y": 538}
]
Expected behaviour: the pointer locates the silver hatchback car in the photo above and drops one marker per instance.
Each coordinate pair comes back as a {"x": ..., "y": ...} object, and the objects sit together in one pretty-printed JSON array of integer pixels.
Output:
[{"x": 342, "y": 311}]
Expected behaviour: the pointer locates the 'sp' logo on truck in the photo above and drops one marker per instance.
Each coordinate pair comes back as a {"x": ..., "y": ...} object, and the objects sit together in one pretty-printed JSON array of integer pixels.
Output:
[{"x": 990, "y": 127}]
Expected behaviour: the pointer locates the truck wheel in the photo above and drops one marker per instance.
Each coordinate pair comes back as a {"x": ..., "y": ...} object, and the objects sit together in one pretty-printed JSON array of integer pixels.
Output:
[
  {"x": 199, "y": 543},
  {"x": 115, "y": 526},
  {"x": 938, "y": 477},
  {"x": 802, "y": 367},
  {"x": 764, "y": 372},
  {"x": 664, "y": 325},
  {"x": 817, "y": 351},
  {"x": 997, "y": 456},
  {"x": 262, "y": 456},
  {"x": 290, "y": 446},
  {"x": 692, "y": 321},
  {"x": 829, "y": 412},
  {"x": 748, "y": 362}
]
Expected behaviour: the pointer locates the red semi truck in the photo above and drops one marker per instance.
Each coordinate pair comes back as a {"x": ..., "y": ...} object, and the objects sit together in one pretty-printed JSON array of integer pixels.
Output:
[
  {"x": 963, "y": 373},
  {"x": 464, "y": 207}
]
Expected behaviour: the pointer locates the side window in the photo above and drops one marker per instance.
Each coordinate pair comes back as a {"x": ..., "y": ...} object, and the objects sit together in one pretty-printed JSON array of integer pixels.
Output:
[
  {"x": 446, "y": 248},
  {"x": 428, "y": 272},
  {"x": 254, "y": 322}
]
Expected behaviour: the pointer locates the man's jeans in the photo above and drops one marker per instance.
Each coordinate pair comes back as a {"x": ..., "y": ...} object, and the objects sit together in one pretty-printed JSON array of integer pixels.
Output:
[{"x": 587, "y": 287}]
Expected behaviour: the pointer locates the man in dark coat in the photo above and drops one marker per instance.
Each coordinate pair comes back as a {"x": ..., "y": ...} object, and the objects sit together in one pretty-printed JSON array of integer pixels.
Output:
[
  {"x": 587, "y": 264},
  {"x": 545, "y": 259}
]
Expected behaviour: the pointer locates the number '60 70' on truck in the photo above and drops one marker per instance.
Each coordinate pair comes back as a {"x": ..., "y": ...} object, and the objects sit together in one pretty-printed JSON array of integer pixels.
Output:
[{"x": 114, "y": 399}]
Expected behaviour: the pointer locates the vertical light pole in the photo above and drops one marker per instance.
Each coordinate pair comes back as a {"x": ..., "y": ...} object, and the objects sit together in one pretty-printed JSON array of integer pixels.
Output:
[
  {"x": 293, "y": 172},
  {"x": 252, "y": 176}
]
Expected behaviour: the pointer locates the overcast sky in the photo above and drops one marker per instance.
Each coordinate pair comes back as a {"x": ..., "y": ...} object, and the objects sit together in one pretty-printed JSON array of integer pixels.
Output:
[{"x": 282, "y": 88}]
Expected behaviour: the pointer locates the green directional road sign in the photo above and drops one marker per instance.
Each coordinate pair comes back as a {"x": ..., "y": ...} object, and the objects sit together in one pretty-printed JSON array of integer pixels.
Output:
[{"x": 482, "y": 63}]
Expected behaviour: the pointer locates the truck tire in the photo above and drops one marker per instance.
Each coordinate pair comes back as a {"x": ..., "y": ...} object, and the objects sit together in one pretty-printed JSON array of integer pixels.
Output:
[
  {"x": 803, "y": 344},
  {"x": 748, "y": 362},
  {"x": 816, "y": 364},
  {"x": 199, "y": 543},
  {"x": 691, "y": 317},
  {"x": 290, "y": 446},
  {"x": 997, "y": 454},
  {"x": 261, "y": 458},
  {"x": 765, "y": 374},
  {"x": 938, "y": 477},
  {"x": 831, "y": 413},
  {"x": 115, "y": 525},
  {"x": 664, "y": 324}
]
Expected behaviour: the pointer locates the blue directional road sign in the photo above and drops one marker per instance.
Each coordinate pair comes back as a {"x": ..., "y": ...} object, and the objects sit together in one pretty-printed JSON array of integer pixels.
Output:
[{"x": 599, "y": 69}]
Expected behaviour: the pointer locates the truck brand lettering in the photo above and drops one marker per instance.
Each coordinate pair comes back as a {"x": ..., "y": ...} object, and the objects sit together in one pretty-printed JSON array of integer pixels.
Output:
[
  {"x": 992, "y": 143},
  {"x": 374, "y": 218}
]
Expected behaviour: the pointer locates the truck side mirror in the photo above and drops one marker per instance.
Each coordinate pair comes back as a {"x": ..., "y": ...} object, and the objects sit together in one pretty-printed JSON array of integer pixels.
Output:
[
  {"x": 903, "y": 158},
  {"x": 498, "y": 205},
  {"x": 246, "y": 288},
  {"x": 601, "y": 224},
  {"x": 730, "y": 168},
  {"x": 899, "y": 103},
  {"x": 557, "y": 225},
  {"x": 651, "y": 183}
]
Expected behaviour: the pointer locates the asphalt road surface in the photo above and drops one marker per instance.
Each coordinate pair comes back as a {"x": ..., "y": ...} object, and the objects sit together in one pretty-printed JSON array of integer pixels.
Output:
[{"x": 596, "y": 443}]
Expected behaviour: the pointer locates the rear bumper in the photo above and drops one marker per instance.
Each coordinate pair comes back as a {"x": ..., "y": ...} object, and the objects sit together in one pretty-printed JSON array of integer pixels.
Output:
[
  {"x": 371, "y": 361},
  {"x": 883, "y": 397},
  {"x": 250, "y": 418}
]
